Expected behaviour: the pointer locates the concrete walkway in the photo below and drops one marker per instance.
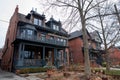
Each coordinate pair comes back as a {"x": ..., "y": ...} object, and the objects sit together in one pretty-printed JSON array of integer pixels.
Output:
[{"x": 11, "y": 76}]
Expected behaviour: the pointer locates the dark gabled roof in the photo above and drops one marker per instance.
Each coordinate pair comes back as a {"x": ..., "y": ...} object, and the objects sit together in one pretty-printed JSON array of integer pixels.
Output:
[
  {"x": 24, "y": 19},
  {"x": 77, "y": 34},
  {"x": 63, "y": 31},
  {"x": 95, "y": 34},
  {"x": 35, "y": 14},
  {"x": 53, "y": 21},
  {"x": 117, "y": 47}
]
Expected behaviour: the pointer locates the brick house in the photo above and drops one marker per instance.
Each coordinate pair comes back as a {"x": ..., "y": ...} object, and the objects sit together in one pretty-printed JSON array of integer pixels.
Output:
[
  {"x": 30, "y": 41},
  {"x": 75, "y": 43},
  {"x": 114, "y": 56}
]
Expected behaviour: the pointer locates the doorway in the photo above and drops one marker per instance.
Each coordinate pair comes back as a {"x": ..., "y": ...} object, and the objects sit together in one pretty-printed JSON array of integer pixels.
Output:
[{"x": 49, "y": 54}]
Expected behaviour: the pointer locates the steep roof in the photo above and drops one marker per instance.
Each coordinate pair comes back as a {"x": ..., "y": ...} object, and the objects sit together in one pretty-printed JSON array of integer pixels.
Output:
[
  {"x": 77, "y": 34},
  {"x": 96, "y": 36},
  {"x": 26, "y": 19}
]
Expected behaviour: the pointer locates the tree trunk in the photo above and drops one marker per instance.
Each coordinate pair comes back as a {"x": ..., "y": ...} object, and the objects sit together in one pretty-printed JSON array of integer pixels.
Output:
[
  {"x": 86, "y": 49},
  {"x": 86, "y": 52}
]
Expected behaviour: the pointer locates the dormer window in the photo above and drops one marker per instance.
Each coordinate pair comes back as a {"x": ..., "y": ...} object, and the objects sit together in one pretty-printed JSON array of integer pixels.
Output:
[
  {"x": 37, "y": 22},
  {"x": 40, "y": 22},
  {"x": 55, "y": 27}
]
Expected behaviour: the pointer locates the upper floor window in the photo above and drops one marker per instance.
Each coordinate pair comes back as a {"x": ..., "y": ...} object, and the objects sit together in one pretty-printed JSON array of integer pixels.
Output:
[
  {"x": 98, "y": 46},
  {"x": 58, "y": 39},
  {"x": 30, "y": 33},
  {"x": 61, "y": 40},
  {"x": 43, "y": 37},
  {"x": 22, "y": 33},
  {"x": 37, "y": 22},
  {"x": 65, "y": 40},
  {"x": 55, "y": 27}
]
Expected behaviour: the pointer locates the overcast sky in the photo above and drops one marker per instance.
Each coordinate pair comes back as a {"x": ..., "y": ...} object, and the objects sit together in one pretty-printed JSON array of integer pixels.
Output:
[{"x": 7, "y": 8}]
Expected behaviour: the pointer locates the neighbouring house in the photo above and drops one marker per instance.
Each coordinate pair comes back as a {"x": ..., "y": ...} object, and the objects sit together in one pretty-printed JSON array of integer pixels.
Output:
[
  {"x": 114, "y": 56},
  {"x": 31, "y": 41},
  {"x": 76, "y": 46}
]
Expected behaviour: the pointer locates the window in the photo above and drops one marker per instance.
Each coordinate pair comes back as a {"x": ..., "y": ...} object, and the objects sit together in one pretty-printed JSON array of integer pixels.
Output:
[
  {"x": 22, "y": 33},
  {"x": 40, "y": 23},
  {"x": 98, "y": 46},
  {"x": 55, "y": 27},
  {"x": 28, "y": 55},
  {"x": 51, "y": 37},
  {"x": 42, "y": 37},
  {"x": 61, "y": 40},
  {"x": 58, "y": 39},
  {"x": 30, "y": 33},
  {"x": 64, "y": 42},
  {"x": 37, "y": 22}
]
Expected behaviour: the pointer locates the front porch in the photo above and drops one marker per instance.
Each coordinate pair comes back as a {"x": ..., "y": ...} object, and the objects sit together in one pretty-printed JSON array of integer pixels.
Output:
[{"x": 30, "y": 55}]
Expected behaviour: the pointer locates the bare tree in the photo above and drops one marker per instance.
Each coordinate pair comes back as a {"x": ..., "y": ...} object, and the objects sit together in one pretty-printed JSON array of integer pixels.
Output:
[
  {"x": 78, "y": 12},
  {"x": 108, "y": 27}
]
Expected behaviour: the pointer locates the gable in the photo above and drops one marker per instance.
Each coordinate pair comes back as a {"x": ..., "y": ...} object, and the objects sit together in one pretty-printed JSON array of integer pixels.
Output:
[
  {"x": 96, "y": 37},
  {"x": 77, "y": 33}
]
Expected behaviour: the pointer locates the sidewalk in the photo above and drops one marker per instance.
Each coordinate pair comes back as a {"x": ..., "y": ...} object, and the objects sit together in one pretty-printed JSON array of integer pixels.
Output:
[{"x": 11, "y": 76}]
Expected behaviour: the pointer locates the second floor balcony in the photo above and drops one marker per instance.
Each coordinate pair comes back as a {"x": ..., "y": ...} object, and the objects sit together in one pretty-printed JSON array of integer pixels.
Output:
[{"x": 42, "y": 39}]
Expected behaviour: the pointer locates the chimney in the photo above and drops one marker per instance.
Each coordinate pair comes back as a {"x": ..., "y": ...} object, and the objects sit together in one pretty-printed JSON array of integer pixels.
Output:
[
  {"x": 35, "y": 9},
  {"x": 16, "y": 9}
]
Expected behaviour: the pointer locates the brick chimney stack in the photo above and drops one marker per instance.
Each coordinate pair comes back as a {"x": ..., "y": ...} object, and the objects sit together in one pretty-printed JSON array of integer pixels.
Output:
[{"x": 17, "y": 8}]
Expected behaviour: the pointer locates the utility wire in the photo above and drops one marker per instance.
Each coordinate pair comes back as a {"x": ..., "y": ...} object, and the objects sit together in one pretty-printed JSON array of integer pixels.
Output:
[{"x": 4, "y": 21}]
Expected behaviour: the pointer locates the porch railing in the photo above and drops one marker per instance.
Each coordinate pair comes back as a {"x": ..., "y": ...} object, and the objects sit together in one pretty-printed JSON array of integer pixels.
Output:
[
  {"x": 45, "y": 40},
  {"x": 32, "y": 62}
]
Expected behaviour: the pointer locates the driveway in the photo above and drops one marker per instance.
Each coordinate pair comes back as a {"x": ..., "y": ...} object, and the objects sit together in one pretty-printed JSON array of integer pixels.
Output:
[{"x": 11, "y": 76}]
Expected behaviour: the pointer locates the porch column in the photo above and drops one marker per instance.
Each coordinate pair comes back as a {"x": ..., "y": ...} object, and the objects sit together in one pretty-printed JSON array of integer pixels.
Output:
[
  {"x": 20, "y": 58},
  {"x": 22, "y": 50},
  {"x": 64, "y": 57},
  {"x": 55, "y": 57},
  {"x": 19, "y": 51},
  {"x": 68, "y": 61},
  {"x": 43, "y": 61}
]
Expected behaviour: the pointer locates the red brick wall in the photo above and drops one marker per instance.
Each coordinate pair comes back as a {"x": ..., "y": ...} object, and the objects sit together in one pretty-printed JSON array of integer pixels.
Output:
[
  {"x": 75, "y": 46},
  {"x": 115, "y": 56},
  {"x": 10, "y": 37}
]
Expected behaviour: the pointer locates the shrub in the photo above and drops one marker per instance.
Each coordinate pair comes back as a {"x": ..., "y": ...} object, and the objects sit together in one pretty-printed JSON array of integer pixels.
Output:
[
  {"x": 113, "y": 72},
  {"x": 32, "y": 70},
  {"x": 104, "y": 64}
]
